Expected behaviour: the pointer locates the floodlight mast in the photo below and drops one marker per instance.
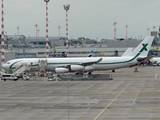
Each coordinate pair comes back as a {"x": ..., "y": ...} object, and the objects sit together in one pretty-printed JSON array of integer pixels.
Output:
[
  {"x": 66, "y": 7},
  {"x": 36, "y": 25},
  {"x": 126, "y": 32},
  {"x": 47, "y": 53},
  {"x": 59, "y": 28},
  {"x": 2, "y": 39},
  {"x": 18, "y": 30},
  {"x": 38, "y": 32},
  {"x": 114, "y": 30},
  {"x": 148, "y": 31}
]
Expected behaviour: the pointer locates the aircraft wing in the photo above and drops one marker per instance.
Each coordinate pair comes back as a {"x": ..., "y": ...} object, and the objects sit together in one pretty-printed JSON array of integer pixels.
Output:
[
  {"x": 90, "y": 62},
  {"x": 87, "y": 63},
  {"x": 144, "y": 59}
]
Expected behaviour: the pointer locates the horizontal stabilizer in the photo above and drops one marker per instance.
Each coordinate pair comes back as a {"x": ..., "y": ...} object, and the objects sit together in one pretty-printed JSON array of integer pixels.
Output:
[{"x": 144, "y": 59}]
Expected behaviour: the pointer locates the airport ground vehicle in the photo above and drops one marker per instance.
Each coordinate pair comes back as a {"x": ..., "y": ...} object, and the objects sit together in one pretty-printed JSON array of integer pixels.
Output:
[
  {"x": 25, "y": 77},
  {"x": 9, "y": 77},
  {"x": 51, "y": 78}
]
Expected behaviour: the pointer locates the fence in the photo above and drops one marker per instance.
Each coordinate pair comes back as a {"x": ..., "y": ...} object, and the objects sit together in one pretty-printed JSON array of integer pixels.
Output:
[{"x": 94, "y": 77}]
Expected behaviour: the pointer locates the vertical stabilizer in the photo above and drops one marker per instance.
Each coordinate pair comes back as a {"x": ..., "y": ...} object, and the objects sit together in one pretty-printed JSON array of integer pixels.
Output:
[
  {"x": 91, "y": 53},
  {"x": 143, "y": 48}
]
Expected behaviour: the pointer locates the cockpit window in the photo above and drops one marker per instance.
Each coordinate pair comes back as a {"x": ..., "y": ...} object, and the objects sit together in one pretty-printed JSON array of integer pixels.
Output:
[{"x": 8, "y": 62}]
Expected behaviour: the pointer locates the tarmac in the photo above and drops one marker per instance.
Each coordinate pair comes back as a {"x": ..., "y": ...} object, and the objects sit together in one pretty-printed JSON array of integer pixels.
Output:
[{"x": 129, "y": 96}]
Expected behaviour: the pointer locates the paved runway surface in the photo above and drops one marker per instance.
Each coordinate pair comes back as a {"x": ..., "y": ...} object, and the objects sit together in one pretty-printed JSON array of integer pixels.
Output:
[{"x": 129, "y": 96}]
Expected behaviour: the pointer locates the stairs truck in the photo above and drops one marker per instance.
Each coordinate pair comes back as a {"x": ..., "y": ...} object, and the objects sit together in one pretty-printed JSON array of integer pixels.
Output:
[{"x": 18, "y": 71}]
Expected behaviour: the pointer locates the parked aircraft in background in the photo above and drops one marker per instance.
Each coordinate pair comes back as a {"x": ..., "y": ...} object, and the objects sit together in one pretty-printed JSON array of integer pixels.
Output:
[
  {"x": 90, "y": 54},
  {"x": 88, "y": 64},
  {"x": 155, "y": 61}
]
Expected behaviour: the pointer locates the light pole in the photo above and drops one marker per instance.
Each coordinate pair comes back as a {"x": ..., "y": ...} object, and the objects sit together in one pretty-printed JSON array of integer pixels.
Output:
[
  {"x": 66, "y": 7},
  {"x": 148, "y": 31},
  {"x": 114, "y": 30},
  {"x": 59, "y": 28},
  {"x": 47, "y": 54},
  {"x": 38, "y": 32},
  {"x": 36, "y": 25},
  {"x": 2, "y": 39},
  {"x": 18, "y": 31},
  {"x": 126, "y": 32}
]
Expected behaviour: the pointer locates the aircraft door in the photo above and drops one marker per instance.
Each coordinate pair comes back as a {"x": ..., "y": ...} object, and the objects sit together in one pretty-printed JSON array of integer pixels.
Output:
[{"x": 42, "y": 64}]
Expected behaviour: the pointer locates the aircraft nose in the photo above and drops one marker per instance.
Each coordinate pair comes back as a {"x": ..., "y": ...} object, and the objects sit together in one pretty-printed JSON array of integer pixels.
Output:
[{"x": 4, "y": 66}]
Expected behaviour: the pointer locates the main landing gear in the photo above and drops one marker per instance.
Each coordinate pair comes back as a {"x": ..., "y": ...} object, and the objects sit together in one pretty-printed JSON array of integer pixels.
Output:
[
  {"x": 81, "y": 73},
  {"x": 89, "y": 73},
  {"x": 113, "y": 70}
]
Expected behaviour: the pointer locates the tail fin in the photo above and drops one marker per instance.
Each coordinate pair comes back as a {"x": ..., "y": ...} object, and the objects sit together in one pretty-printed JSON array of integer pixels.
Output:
[
  {"x": 90, "y": 54},
  {"x": 143, "y": 48}
]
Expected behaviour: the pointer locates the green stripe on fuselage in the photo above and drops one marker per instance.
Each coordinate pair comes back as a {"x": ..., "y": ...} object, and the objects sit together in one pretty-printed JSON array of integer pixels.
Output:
[{"x": 11, "y": 67}]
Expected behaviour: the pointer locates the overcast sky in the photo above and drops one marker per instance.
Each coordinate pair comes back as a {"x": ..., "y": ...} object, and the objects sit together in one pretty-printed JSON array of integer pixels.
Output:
[{"x": 89, "y": 18}]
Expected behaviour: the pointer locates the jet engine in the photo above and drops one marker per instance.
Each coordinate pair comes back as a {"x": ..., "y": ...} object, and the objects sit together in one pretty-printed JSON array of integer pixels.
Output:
[
  {"x": 71, "y": 68},
  {"x": 61, "y": 70},
  {"x": 89, "y": 68},
  {"x": 77, "y": 68}
]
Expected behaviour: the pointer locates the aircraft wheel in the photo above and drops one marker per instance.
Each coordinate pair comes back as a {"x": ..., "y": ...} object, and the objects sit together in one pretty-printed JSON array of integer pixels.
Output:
[
  {"x": 113, "y": 70},
  {"x": 89, "y": 73},
  {"x": 79, "y": 73}
]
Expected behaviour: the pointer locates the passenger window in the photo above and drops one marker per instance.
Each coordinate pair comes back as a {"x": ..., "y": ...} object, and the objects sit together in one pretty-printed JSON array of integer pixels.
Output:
[{"x": 8, "y": 62}]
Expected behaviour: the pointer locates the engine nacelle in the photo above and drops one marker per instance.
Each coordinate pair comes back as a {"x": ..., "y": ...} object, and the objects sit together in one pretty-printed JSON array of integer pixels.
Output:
[
  {"x": 61, "y": 70},
  {"x": 89, "y": 68},
  {"x": 77, "y": 68}
]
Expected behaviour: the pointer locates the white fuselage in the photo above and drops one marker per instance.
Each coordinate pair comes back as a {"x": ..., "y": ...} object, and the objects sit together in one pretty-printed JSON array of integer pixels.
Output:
[{"x": 107, "y": 63}]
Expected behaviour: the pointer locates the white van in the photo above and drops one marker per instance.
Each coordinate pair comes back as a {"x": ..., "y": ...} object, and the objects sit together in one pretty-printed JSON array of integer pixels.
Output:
[{"x": 8, "y": 77}]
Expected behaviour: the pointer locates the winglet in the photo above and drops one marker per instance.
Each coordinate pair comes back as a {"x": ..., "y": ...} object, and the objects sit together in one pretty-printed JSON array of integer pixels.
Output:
[
  {"x": 99, "y": 60},
  {"x": 91, "y": 62}
]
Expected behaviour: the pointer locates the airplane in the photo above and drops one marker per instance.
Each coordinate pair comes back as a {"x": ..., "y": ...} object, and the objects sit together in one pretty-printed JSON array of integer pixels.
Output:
[
  {"x": 88, "y": 64},
  {"x": 90, "y": 54},
  {"x": 155, "y": 61}
]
